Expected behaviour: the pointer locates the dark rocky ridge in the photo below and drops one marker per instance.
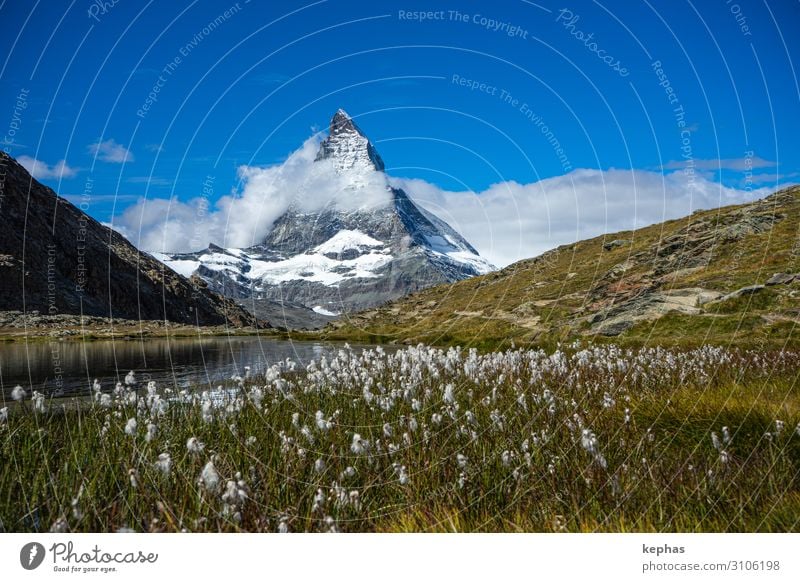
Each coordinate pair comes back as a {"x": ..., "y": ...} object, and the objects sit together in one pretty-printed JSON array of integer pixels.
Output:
[{"x": 56, "y": 259}]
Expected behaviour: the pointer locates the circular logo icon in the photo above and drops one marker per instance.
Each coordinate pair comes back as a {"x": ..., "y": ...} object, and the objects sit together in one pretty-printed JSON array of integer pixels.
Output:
[{"x": 31, "y": 555}]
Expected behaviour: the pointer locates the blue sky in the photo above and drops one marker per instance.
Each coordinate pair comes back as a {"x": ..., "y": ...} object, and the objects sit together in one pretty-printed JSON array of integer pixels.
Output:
[{"x": 478, "y": 94}]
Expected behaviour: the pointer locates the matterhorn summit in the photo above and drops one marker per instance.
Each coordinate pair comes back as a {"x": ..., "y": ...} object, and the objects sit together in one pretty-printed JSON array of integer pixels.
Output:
[
  {"x": 369, "y": 244},
  {"x": 348, "y": 147}
]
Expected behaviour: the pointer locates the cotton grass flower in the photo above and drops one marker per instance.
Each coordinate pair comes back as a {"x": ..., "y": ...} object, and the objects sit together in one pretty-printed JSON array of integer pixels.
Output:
[
  {"x": 715, "y": 441},
  {"x": 130, "y": 427},
  {"x": 402, "y": 475},
  {"x": 235, "y": 493},
  {"x": 590, "y": 445},
  {"x": 330, "y": 523},
  {"x": 4, "y": 415},
  {"x": 194, "y": 446},
  {"x": 358, "y": 446},
  {"x": 323, "y": 424},
  {"x": 307, "y": 434},
  {"x": 354, "y": 500},
  {"x": 449, "y": 396},
  {"x": 152, "y": 431},
  {"x": 164, "y": 464},
  {"x": 209, "y": 478},
  {"x": 38, "y": 401},
  {"x": 207, "y": 411},
  {"x": 319, "y": 501},
  {"x": 18, "y": 393},
  {"x": 77, "y": 511}
]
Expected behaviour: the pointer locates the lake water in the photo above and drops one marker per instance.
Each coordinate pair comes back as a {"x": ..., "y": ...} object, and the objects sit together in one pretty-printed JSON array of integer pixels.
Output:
[{"x": 69, "y": 367}]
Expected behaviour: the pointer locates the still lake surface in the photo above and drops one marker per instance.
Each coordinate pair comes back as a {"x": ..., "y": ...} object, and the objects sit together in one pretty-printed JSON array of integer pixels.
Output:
[{"x": 65, "y": 368}]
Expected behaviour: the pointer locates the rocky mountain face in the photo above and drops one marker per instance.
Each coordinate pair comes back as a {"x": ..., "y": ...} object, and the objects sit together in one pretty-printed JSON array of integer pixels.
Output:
[
  {"x": 57, "y": 260},
  {"x": 731, "y": 274},
  {"x": 341, "y": 258}
]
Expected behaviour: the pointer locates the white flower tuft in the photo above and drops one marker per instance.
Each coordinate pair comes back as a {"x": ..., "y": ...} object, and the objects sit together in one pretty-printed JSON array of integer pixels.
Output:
[
  {"x": 589, "y": 443},
  {"x": 209, "y": 478},
  {"x": 194, "y": 446},
  {"x": 133, "y": 477},
  {"x": 152, "y": 431},
  {"x": 38, "y": 401},
  {"x": 130, "y": 427},
  {"x": 164, "y": 463},
  {"x": 358, "y": 446},
  {"x": 449, "y": 397}
]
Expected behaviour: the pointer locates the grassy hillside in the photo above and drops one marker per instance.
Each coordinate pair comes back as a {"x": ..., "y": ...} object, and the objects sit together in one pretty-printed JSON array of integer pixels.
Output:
[{"x": 708, "y": 277}]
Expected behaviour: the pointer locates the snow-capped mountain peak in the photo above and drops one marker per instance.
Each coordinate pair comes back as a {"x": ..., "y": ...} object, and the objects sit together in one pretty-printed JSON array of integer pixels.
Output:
[
  {"x": 343, "y": 257},
  {"x": 348, "y": 148}
]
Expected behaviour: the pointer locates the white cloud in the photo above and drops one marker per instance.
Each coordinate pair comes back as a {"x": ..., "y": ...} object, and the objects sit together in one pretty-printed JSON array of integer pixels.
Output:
[
  {"x": 510, "y": 221},
  {"x": 111, "y": 151},
  {"x": 243, "y": 218},
  {"x": 42, "y": 171},
  {"x": 507, "y": 222}
]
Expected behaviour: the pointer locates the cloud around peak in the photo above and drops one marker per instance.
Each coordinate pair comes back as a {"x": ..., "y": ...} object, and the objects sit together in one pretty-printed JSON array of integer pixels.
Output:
[
  {"x": 244, "y": 216},
  {"x": 506, "y": 222}
]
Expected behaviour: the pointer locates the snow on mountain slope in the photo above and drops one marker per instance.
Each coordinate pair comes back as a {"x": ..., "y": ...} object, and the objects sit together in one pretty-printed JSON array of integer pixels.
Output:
[
  {"x": 347, "y": 240},
  {"x": 360, "y": 250}
]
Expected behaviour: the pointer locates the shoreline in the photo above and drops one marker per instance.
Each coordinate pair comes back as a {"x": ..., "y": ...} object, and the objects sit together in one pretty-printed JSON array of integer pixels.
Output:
[{"x": 15, "y": 326}]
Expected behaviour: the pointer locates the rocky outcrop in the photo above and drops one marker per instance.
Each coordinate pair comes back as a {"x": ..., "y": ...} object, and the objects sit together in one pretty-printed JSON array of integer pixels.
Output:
[
  {"x": 646, "y": 286},
  {"x": 616, "y": 243},
  {"x": 782, "y": 279},
  {"x": 650, "y": 306}
]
